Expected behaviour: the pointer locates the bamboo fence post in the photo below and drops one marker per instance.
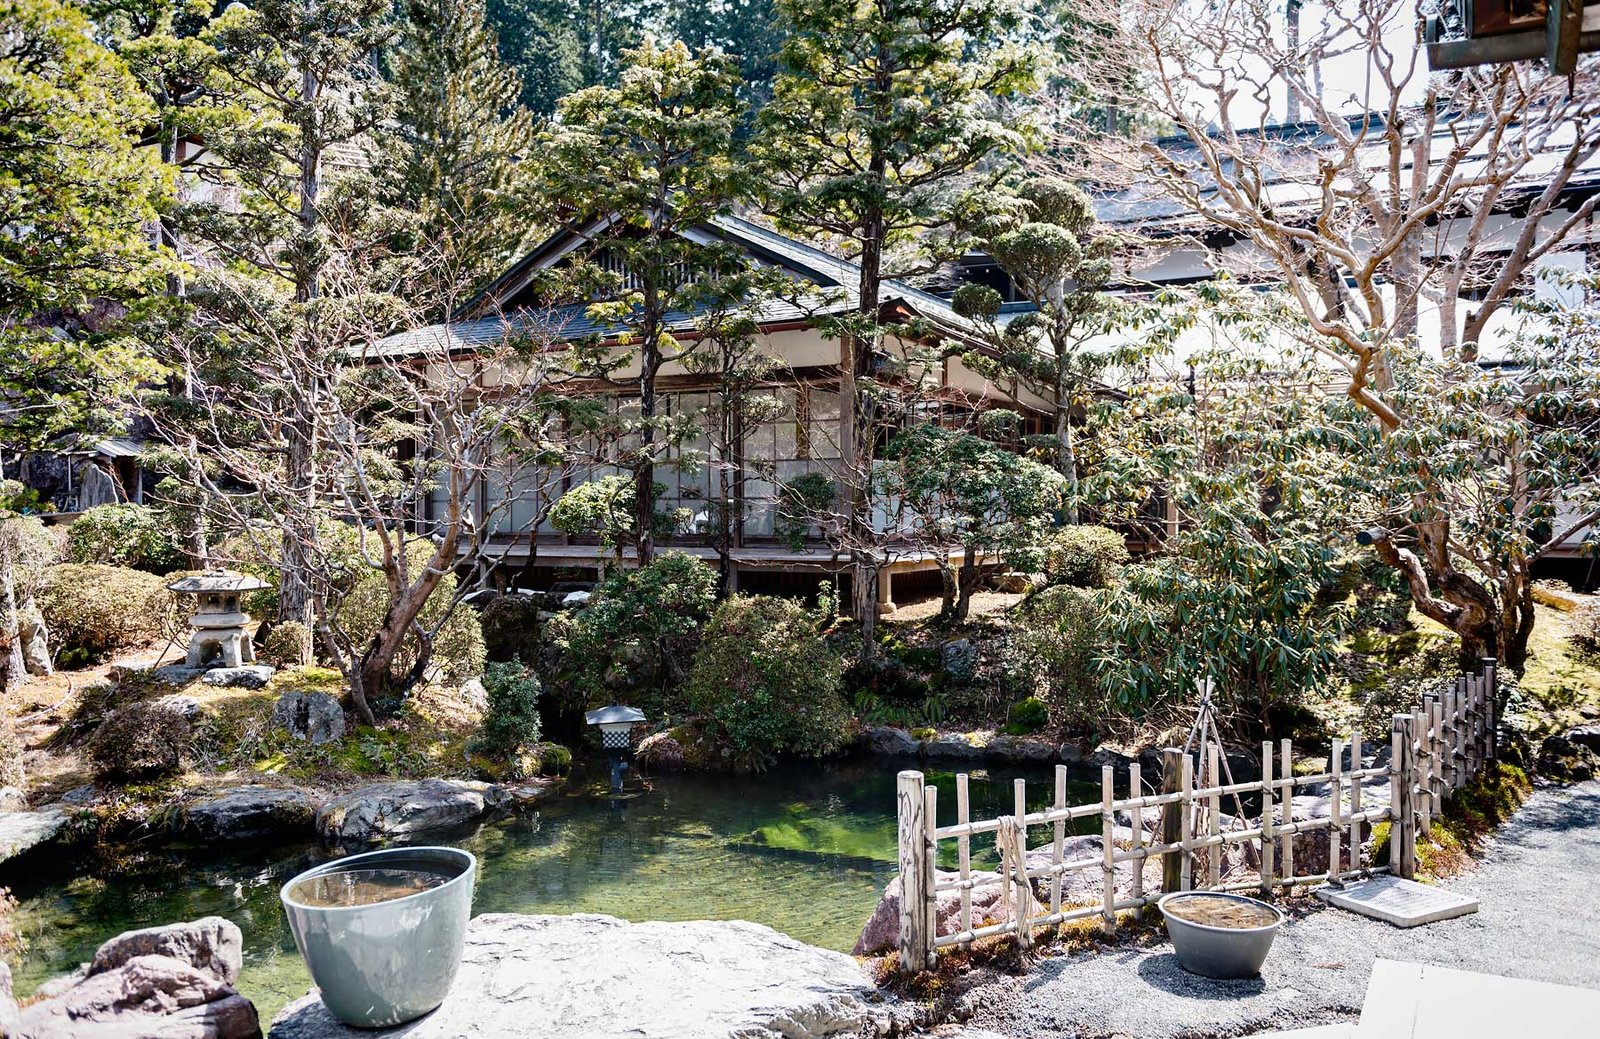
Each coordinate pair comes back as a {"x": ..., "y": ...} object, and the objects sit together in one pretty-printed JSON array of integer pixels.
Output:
[
  {"x": 1406, "y": 806},
  {"x": 1335, "y": 791},
  {"x": 1396, "y": 785},
  {"x": 1214, "y": 805},
  {"x": 1268, "y": 807},
  {"x": 1452, "y": 697},
  {"x": 1108, "y": 849},
  {"x": 1459, "y": 731},
  {"x": 1424, "y": 815},
  {"x": 911, "y": 805},
  {"x": 1437, "y": 711},
  {"x": 1171, "y": 818},
  {"x": 1136, "y": 824},
  {"x": 1286, "y": 799},
  {"x": 1058, "y": 848},
  {"x": 1475, "y": 727},
  {"x": 1019, "y": 801},
  {"x": 1491, "y": 709},
  {"x": 1355, "y": 800},
  {"x": 930, "y": 855},
  {"x": 964, "y": 849},
  {"x": 1186, "y": 786}
]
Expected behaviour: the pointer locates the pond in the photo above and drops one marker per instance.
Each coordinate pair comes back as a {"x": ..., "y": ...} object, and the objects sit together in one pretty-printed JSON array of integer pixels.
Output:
[{"x": 806, "y": 850}]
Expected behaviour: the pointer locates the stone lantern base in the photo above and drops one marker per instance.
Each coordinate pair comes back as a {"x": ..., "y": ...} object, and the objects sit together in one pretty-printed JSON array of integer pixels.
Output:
[{"x": 220, "y": 645}]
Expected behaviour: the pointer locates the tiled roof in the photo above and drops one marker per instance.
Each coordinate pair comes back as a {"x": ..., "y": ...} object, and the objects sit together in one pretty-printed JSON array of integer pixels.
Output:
[{"x": 835, "y": 277}]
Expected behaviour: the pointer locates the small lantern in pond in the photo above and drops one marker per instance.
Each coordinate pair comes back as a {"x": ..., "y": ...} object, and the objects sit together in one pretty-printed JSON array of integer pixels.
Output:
[
  {"x": 222, "y": 631},
  {"x": 616, "y": 727}
]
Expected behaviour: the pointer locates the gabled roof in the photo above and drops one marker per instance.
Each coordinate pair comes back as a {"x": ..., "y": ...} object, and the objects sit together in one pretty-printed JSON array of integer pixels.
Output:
[{"x": 497, "y": 312}]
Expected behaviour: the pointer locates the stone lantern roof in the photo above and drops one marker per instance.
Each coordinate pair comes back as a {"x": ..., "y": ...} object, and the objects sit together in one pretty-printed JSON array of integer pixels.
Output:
[{"x": 218, "y": 581}]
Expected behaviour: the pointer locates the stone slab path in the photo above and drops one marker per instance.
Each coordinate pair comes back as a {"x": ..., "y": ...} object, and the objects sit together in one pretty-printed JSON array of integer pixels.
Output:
[{"x": 1539, "y": 920}]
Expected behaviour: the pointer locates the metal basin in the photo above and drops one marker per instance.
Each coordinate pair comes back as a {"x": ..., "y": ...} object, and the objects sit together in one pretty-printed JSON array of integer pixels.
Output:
[
  {"x": 1220, "y": 952},
  {"x": 385, "y": 963}
]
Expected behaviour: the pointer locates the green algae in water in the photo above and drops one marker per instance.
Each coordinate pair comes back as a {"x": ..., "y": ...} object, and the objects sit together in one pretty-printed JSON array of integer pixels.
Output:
[{"x": 686, "y": 850}]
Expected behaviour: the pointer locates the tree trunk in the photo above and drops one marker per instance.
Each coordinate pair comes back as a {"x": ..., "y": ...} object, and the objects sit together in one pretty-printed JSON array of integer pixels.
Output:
[
  {"x": 968, "y": 583},
  {"x": 644, "y": 497},
  {"x": 1291, "y": 34},
  {"x": 1066, "y": 447},
  {"x": 950, "y": 589}
]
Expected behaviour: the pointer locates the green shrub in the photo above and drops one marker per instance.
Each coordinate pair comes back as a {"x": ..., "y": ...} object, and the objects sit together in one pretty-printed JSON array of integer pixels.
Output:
[
  {"x": 1028, "y": 716},
  {"x": 511, "y": 721},
  {"x": 126, "y": 535},
  {"x": 1053, "y": 647},
  {"x": 288, "y": 644},
  {"x": 93, "y": 611},
  {"x": 766, "y": 682},
  {"x": 141, "y": 740},
  {"x": 800, "y": 501},
  {"x": 605, "y": 509},
  {"x": 637, "y": 635},
  {"x": 510, "y": 626},
  {"x": 1084, "y": 556}
]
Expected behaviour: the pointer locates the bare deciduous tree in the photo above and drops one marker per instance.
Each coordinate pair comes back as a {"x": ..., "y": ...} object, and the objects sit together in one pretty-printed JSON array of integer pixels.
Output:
[{"x": 1411, "y": 197}]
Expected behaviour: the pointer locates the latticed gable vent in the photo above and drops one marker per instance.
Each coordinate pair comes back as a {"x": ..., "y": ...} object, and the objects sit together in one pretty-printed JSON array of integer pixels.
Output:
[{"x": 628, "y": 281}]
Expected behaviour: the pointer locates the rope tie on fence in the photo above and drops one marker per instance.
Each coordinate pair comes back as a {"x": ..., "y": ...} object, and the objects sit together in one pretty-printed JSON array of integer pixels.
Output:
[{"x": 1020, "y": 903}]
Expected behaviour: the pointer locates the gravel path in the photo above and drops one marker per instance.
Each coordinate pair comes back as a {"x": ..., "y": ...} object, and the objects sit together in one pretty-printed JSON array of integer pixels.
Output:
[{"x": 1539, "y": 919}]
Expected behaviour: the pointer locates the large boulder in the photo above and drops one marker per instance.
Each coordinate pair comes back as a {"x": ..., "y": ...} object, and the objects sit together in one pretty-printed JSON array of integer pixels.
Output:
[
  {"x": 316, "y": 717},
  {"x": 603, "y": 978},
  {"x": 250, "y": 812},
  {"x": 397, "y": 809},
  {"x": 21, "y": 832},
  {"x": 172, "y": 982},
  {"x": 1565, "y": 760},
  {"x": 892, "y": 742},
  {"x": 211, "y": 944},
  {"x": 149, "y": 997},
  {"x": 10, "y": 1022}
]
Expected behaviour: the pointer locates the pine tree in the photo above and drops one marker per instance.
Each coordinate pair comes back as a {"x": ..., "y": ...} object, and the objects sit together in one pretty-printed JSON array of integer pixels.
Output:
[
  {"x": 457, "y": 150},
  {"x": 881, "y": 112},
  {"x": 657, "y": 154}
]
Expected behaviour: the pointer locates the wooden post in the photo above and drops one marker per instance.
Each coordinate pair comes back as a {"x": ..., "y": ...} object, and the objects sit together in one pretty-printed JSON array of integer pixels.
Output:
[
  {"x": 1404, "y": 831},
  {"x": 1475, "y": 727},
  {"x": 1420, "y": 798},
  {"x": 1108, "y": 849},
  {"x": 1019, "y": 802},
  {"x": 930, "y": 857},
  {"x": 1136, "y": 824},
  {"x": 1268, "y": 809},
  {"x": 1058, "y": 847},
  {"x": 1287, "y": 809},
  {"x": 1396, "y": 785},
  {"x": 1335, "y": 792},
  {"x": 1355, "y": 800},
  {"x": 916, "y": 943},
  {"x": 964, "y": 849},
  {"x": 1452, "y": 700},
  {"x": 1214, "y": 781},
  {"x": 1491, "y": 692},
  {"x": 1436, "y": 776},
  {"x": 1171, "y": 818},
  {"x": 1185, "y": 839}
]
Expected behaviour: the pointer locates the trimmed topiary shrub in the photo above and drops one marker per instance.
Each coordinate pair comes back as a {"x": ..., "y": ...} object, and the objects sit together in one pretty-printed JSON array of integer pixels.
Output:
[
  {"x": 510, "y": 626},
  {"x": 510, "y": 731},
  {"x": 93, "y": 611},
  {"x": 126, "y": 535},
  {"x": 1028, "y": 716},
  {"x": 288, "y": 644},
  {"x": 765, "y": 682},
  {"x": 638, "y": 634},
  {"x": 141, "y": 740},
  {"x": 1084, "y": 556}
]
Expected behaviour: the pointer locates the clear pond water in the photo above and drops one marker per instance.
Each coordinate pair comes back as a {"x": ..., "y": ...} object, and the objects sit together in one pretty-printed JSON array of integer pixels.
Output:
[{"x": 806, "y": 850}]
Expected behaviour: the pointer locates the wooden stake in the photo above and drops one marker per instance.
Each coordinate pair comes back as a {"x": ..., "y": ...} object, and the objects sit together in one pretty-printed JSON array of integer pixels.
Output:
[
  {"x": 1287, "y": 806},
  {"x": 964, "y": 849},
  {"x": 1214, "y": 781},
  {"x": 1355, "y": 800},
  {"x": 910, "y": 806},
  {"x": 1136, "y": 823},
  {"x": 1019, "y": 800},
  {"x": 1186, "y": 786},
  {"x": 1335, "y": 792},
  {"x": 1058, "y": 848},
  {"x": 1108, "y": 849},
  {"x": 930, "y": 855},
  {"x": 1171, "y": 818},
  {"x": 1268, "y": 808}
]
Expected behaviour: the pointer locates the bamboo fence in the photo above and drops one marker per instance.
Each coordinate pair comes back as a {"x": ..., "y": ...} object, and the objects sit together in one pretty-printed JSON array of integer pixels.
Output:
[{"x": 1435, "y": 749}]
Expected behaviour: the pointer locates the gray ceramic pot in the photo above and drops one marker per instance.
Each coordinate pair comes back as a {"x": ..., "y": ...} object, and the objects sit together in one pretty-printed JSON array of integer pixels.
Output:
[
  {"x": 1220, "y": 952},
  {"x": 388, "y": 962}
]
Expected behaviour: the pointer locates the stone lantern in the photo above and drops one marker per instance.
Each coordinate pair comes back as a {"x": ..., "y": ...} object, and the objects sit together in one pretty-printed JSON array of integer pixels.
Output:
[
  {"x": 222, "y": 631},
  {"x": 616, "y": 723}
]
